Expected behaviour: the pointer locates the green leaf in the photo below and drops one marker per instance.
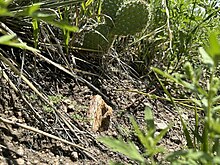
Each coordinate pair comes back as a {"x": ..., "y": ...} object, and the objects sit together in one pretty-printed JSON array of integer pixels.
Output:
[
  {"x": 190, "y": 157},
  {"x": 6, "y": 38},
  {"x": 214, "y": 87},
  {"x": 197, "y": 102},
  {"x": 63, "y": 25},
  {"x": 5, "y": 12},
  {"x": 215, "y": 125},
  {"x": 216, "y": 159},
  {"x": 140, "y": 135},
  {"x": 148, "y": 116},
  {"x": 161, "y": 135},
  {"x": 35, "y": 32},
  {"x": 21, "y": 46},
  {"x": 176, "y": 79},
  {"x": 196, "y": 132},
  {"x": 185, "y": 84},
  {"x": 43, "y": 16},
  {"x": 216, "y": 99},
  {"x": 189, "y": 70},
  {"x": 4, "y": 3},
  {"x": 186, "y": 133},
  {"x": 164, "y": 74},
  {"x": 88, "y": 2},
  {"x": 49, "y": 18},
  {"x": 207, "y": 59},
  {"x": 33, "y": 8},
  {"x": 128, "y": 149},
  {"x": 214, "y": 49}
]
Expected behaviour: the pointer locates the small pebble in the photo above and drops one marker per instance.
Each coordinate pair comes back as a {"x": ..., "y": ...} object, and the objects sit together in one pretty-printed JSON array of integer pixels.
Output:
[
  {"x": 19, "y": 114},
  {"x": 156, "y": 134},
  {"x": 20, "y": 161},
  {"x": 175, "y": 139},
  {"x": 20, "y": 151},
  {"x": 75, "y": 155},
  {"x": 161, "y": 125},
  {"x": 36, "y": 162}
]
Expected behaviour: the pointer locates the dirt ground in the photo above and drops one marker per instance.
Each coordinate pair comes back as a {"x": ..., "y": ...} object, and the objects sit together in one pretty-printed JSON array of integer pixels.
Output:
[{"x": 23, "y": 146}]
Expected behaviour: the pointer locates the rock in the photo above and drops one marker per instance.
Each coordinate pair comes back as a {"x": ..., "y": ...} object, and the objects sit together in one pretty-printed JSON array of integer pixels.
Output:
[
  {"x": 20, "y": 151},
  {"x": 99, "y": 114},
  {"x": 20, "y": 161},
  {"x": 175, "y": 139},
  {"x": 161, "y": 125},
  {"x": 2, "y": 160},
  {"x": 36, "y": 162},
  {"x": 156, "y": 134},
  {"x": 74, "y": 155}
]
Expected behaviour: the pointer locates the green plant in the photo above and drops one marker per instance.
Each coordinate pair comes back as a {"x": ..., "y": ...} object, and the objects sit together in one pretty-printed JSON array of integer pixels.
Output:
[
  {"x": 174, "y": 31},
  {"x": 203, "y": 145},
  {"x": 147, "y": 137},
  {"x": 190, "y": 23},
  {"x": 54, "y": 100},
  {"x": 110, "y": 8},
  {"x": 121, "y": 18},
  {"x": 78, "y": 117},
  {"x": 29, "y": 14},
  {"x": 203, "y": 142}
]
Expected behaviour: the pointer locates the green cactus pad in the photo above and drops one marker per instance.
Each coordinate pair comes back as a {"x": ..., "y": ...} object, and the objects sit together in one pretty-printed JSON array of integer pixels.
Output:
[
  {"x": 109, "y": 8},
  {"x": 97, "y": 39},
  {"x": 131, "y": 18}
]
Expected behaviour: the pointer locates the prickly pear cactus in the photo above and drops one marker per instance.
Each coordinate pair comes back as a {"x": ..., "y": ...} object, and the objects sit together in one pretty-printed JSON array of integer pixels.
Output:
[
  {"x": 98, "y": 39},
  {"x": 131, "y": 18},
  {"x": 109, "y": 8}
]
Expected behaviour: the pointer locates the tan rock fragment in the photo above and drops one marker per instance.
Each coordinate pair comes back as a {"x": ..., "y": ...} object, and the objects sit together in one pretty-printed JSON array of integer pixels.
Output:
[{"x": 99, "y": 114}]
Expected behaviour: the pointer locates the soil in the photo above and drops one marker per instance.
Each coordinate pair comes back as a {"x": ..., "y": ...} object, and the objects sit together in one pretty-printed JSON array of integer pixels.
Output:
[{"x": 71, "y": 98}]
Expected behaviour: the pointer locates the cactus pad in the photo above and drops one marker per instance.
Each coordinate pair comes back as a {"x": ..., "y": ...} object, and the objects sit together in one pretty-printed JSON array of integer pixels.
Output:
[
  {"x": 97, "y": 39},
  {"x": 131, "y": 18},
  {"x": 110, "y": 7}
]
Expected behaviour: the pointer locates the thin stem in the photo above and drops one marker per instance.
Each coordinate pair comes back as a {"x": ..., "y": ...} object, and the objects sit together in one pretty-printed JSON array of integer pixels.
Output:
[{"x": 208, "y": 115}]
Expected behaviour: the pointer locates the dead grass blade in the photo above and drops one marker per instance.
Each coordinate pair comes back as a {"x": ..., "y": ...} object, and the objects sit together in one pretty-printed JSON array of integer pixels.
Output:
[
  {"x": 75, "y": 77},
  {"x": 5, "y": 76},
  {"x": 17, "y": 72},
  {"x": 6, "y": 121}
]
